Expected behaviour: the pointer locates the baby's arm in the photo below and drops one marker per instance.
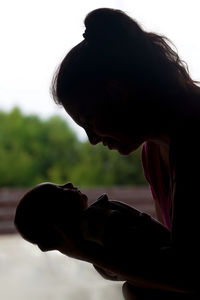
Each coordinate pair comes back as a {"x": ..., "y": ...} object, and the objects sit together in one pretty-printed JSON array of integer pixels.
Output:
[{"x": 121, "y": 231}]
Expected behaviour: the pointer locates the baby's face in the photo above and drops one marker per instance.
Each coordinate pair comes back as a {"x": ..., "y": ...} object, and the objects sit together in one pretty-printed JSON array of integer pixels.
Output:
[
  {"x": 66, "y": 192},
  {"x": 50, "y": 211}
]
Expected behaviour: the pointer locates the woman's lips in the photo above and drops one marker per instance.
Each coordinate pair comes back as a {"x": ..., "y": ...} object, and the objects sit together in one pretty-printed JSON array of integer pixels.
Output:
[
  {"x": 111, "y": 145},
  {"x": 104, "y": 143}
]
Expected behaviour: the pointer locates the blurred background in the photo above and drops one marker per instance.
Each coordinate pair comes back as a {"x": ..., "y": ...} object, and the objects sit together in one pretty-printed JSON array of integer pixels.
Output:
[{"x": 39, "y": 142}]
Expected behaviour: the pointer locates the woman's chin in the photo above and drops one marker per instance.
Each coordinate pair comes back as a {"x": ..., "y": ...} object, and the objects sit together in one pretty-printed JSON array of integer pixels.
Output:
[
  {"x": 125, "y": 151},
  {"x": 128, "y": 150},
  {"x": 121, "y": 150}
]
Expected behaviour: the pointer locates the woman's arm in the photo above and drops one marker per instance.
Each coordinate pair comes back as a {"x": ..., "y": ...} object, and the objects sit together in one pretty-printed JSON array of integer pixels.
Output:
[
  {"x": 150, "y": 267},
  {"x": 156, "y": 270}
]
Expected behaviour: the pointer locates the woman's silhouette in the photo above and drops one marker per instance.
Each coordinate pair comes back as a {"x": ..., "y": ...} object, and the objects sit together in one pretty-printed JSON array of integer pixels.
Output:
[{"x": 126, "y": 87}]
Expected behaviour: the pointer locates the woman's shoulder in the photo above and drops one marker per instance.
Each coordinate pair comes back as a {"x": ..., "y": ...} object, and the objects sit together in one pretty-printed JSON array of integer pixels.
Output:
[
  {"x": 155, "y": 160},
  {"x": 185, "y": 147},
  {"x": 150, "y": 157}
]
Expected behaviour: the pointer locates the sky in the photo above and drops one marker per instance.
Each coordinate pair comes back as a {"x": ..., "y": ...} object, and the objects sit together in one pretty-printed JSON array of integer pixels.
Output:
[{"x": 36, "y": 34}]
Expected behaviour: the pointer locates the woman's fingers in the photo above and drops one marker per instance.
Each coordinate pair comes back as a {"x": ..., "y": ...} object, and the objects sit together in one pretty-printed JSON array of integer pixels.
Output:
[
  {"x": 107, "y": 274},
  {"x": 129, "y": 292},
  {"x": 94, "y": 224}
]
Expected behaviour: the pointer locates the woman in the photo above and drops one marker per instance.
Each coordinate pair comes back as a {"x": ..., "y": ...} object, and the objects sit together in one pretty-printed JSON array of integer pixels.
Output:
[{"x": 126, "y": 87}]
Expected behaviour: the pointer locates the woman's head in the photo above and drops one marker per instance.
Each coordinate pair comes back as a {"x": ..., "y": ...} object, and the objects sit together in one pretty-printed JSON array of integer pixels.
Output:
[
  {"x": 118, "y": 70},
  {"x": 49, "y": 210}
]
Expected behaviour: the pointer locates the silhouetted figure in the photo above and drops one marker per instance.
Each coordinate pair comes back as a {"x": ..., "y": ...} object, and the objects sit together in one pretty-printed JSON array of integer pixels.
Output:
[
  {"x": 49, "y": 213},
  {"x": 55, "y": 217},
  {"x": 125, "y": 87}
]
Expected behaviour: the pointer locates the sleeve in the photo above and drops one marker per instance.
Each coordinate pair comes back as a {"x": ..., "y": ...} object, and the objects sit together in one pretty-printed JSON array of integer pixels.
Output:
[
  {"x": 152, "y": 170},
  {"x": 159, "y": 181}
]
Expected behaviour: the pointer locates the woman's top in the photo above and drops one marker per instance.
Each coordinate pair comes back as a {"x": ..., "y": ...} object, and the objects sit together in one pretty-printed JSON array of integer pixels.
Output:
[{"x": 159, "y": 178}]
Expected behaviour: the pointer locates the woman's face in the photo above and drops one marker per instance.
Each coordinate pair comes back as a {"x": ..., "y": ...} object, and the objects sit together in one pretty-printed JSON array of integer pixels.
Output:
[{"x": 106, "y": 123}]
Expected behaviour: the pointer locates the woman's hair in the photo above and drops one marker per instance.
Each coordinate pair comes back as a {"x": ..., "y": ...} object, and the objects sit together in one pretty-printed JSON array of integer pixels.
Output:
[{"x": 115, "y": 47}]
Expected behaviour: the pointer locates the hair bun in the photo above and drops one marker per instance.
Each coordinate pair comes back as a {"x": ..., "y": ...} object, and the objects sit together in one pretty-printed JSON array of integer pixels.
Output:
[{"x": 106, "y": 24}]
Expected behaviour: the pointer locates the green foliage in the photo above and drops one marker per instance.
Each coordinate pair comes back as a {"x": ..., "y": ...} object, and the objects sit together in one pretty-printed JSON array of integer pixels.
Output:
[
  {"x": 101, "y": 166},
  {"x": 34, "y": 150}
]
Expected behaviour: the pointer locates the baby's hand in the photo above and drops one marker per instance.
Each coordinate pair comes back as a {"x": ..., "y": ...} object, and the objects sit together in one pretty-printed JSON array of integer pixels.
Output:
[
  {"x": 115, "y": 225},
  {"x": 95, "y": 219}
]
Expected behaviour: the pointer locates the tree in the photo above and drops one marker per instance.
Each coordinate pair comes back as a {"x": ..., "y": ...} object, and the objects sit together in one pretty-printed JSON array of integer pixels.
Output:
[
  {"x": 100, "y": 166},
  {"x": 33, "y": 150}
]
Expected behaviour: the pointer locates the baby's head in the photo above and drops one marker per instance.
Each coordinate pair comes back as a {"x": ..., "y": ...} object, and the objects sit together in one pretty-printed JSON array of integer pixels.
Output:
[{"x": 49, "y": 211}]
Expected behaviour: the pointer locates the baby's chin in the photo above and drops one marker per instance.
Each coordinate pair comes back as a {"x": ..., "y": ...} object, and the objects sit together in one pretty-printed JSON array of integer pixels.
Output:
[
  {"x": 84, "y": 201},
  {"x": 46, "y": 248}
]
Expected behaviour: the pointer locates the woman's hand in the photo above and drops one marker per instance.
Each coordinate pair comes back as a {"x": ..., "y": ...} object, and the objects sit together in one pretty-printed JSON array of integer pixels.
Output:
[
  {"x": 129, "y": 292},
  {"x": 107, "y": 274}
]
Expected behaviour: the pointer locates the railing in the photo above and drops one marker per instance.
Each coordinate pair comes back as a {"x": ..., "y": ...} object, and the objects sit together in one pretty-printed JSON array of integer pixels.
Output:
[{"x": 139, "y": 197}]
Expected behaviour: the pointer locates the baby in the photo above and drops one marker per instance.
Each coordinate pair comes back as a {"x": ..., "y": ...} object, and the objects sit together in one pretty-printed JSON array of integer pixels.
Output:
[
  {"x": 48, "y": 212},
  {"x": 57, "y": 216}
]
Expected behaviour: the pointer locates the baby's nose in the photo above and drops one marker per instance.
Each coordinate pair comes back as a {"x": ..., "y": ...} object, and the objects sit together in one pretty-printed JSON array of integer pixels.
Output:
[{"x": 68, "y": 185}]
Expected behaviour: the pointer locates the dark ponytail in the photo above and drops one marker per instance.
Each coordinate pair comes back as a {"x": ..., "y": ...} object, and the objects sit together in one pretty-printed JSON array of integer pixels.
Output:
[
  {"x": 115, "y": 47},
  {"x": 110, "y": 26}
]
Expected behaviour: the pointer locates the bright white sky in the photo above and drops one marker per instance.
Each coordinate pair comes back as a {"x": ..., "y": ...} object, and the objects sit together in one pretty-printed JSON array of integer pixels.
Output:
[{"x": 36, "y": 34}]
